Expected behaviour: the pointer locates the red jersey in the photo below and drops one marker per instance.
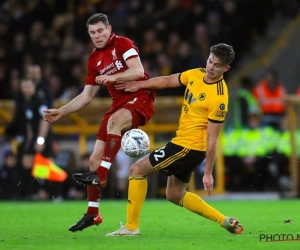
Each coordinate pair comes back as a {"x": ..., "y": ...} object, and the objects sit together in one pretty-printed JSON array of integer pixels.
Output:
[{"x": 111, "y": 60}]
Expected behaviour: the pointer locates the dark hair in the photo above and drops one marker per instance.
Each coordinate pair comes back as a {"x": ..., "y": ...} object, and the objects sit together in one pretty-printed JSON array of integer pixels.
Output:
[
  {"x": 224, "y": 52},
  {"x": 96, "y": 18}
]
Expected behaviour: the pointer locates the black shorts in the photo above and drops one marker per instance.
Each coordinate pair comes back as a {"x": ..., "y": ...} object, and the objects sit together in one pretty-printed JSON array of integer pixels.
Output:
[{"x": 176, "y": 160}]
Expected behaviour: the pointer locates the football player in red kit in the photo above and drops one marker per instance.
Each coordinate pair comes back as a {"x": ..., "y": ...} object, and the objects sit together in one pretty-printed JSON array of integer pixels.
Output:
[{"x": 114, "y": 59}]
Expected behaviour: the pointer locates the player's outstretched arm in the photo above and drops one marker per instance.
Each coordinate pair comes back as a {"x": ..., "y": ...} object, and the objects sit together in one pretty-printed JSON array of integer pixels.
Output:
[
  {"x": 213, "y": 130},
  {"x": 161, "y": 82},
  {"x": 79, "y": 102}
]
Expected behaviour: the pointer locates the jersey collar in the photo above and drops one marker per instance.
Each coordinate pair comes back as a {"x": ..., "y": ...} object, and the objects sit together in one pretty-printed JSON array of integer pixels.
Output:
[
  {"x": 212, "y": 82},
  {"x": 111, "y": 38}
]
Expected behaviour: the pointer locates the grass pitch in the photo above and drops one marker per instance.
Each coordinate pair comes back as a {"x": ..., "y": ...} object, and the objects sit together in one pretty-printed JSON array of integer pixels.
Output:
[{"x": 44, "y": 225}]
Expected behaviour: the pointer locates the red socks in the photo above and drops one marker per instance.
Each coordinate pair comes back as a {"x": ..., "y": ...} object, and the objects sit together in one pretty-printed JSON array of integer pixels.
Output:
[
  {"x": 112, "y": 147},
  {"x": 102, "y": 172},
  {"x": 94, "y": 194}
]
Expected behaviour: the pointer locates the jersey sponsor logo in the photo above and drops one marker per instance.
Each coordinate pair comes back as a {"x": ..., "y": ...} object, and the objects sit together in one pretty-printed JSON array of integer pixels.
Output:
[
  {"x": 107, "y": 67},
  {"x": 119, "y": 64},
  {"x": 111, "y": 68},
  {"x": 222, "y": 106},
  {"x": 189, "y": 97},
  {"x": 220, "y": 114},
  {"x": 202, "y": 97},
  {"x": 99, "y": 63}
]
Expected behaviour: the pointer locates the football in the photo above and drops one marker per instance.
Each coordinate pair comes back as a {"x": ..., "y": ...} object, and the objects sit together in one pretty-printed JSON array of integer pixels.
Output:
[{"x": 135, "y": 143}]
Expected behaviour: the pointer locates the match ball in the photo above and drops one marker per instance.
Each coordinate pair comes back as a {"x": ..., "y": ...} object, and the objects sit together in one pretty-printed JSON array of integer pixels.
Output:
[{"x": 135, "y": 143}]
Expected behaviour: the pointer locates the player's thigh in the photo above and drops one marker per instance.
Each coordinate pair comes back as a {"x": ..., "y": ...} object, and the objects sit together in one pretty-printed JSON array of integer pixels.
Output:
[
  {"x": 121, "y": 120},
  {"x": 96, "y": 157},
  {"x": 142, "y": 167}
]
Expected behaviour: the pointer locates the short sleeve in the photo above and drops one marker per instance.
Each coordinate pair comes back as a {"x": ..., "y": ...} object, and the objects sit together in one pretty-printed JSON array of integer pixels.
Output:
[
  {"x": 126, "y": 48},
  {"x": 92, "y": 73},
  {"x": 218, "y": 109},
  {"x": 183, "y": 78}
]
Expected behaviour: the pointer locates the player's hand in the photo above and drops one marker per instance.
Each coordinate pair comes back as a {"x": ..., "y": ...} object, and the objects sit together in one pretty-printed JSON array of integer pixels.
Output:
[
  {"x": 52, "y": 115},
  {"x": 127, "y": 86},
  {"x": 208, "y": 183},
  {"x": 104, "y": 79}
]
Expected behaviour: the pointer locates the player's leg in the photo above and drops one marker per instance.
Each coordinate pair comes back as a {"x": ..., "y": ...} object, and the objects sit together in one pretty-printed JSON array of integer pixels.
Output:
[
  {"x": 92, "y": 215},
  {"x": 110, "y": 148},
  {"x": 177, "y": 194},
  {"x": 117, "y": 122},
  {"x": 133, "y": 114},
  {"x": 137, "y": 192},
  {"x": 120, "y": 121}
]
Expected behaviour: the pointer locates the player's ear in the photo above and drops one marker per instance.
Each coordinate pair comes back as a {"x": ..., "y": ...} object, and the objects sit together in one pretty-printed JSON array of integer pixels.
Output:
[
  {"x": 227, "y": 68},
  {"x": 109, "y": 27}
]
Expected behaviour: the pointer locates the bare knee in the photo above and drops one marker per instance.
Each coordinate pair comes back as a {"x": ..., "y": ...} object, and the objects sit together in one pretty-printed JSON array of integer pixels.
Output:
[
  {"x": 120, "y": 120},
  {"x": 115, "y": 123},
  {"x": 173, "y": 196},
  {"x": 134, "y": 170},
  {"x": 141, "y": 168},
  {"x": 112, "y": 122}
]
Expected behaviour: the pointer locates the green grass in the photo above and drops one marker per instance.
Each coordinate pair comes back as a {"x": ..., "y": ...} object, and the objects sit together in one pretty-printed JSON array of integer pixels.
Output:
[{"x": 44, "y": 225}]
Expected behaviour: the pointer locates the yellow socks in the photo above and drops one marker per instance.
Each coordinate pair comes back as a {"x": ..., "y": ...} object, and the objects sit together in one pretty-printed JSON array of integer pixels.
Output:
[
  {"x": 195, "y": 204},
  {"x": 137, "y": 191}
]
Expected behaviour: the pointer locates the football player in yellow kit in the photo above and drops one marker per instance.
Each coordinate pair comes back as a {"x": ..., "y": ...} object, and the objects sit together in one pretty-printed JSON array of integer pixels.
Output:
[{"x": 203, "y": 112}]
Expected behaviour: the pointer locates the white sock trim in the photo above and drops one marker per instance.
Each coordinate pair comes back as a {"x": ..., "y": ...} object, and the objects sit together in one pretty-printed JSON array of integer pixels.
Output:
[
  {"x": 93, "y": 204},
  {"x": 106, "y": 164}
]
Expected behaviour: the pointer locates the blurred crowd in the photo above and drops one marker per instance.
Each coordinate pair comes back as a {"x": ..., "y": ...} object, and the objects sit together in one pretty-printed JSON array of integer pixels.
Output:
[
  {"x": 257, "y": 147},
  {"x": 172, "y": 35},
  {"x": 47, "y": 41}
]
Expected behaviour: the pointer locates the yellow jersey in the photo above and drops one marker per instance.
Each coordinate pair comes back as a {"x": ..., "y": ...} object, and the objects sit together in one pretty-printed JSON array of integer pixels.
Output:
[{"x": 202, "y": 102}]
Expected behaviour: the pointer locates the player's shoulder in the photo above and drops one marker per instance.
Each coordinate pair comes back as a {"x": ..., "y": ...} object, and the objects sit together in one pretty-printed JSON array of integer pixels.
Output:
[
  {"x": 195, "y": 71},
  {"x": 221, "y": 88},
  {"x": 123, "y": 42},
  {"x": 93, "y": 53},
  {"x": 122, "y": 39}
]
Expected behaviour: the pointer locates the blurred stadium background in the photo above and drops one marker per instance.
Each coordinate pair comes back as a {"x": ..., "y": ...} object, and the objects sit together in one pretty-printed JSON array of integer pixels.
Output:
[{"x": 173, "y": 36}]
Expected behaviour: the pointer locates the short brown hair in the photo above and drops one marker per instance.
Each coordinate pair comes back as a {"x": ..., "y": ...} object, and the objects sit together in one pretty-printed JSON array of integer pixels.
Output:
[
  {"x": 224, "y": 52},
  {"x": 96, "y": 18}
]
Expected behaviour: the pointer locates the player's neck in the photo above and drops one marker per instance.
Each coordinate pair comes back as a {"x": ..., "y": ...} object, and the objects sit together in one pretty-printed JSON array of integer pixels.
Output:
[{"x": 212, "y": 79}]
